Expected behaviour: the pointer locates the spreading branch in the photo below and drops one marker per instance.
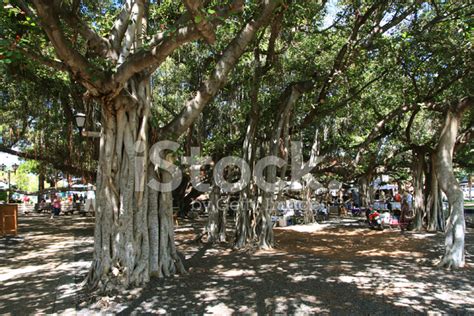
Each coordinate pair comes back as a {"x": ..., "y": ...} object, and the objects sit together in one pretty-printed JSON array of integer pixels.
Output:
[
  {"x": 164, "y": 44},
  {"x": 218, "y": 78},
  {"x": 58, "y": 65},
  {"x": 77, "y": 63},
  {"x": 204, "y": 27},
  {"x": 95, "y": 42},
  {"x": 120, "y": 26},
  {"x": 59, "y": 165}
]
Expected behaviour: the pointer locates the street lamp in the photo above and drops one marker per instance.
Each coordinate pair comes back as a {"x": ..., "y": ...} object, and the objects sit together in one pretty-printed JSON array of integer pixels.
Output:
[
  {"x": 80, "y": 121},
  {"x": 3, "y": 168}
]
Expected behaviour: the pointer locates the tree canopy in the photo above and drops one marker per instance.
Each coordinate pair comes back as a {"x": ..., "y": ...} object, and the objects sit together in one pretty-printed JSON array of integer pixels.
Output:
[{"x": 367, "y": 85}]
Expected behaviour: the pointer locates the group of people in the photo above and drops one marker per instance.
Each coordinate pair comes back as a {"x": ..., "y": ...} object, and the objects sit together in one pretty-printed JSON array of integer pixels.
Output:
[
  {"x": 55, "y": 205},
  {"x": 344, "y": 199},
  {"x": 404, "y": 209},
  {"x": 405, "y": 198},
  {"x": 55, "y": 202}
]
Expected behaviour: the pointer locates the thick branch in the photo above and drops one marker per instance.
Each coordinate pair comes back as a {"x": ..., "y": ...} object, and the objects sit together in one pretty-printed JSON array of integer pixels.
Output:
[
  {"x": 43, "y": 60},
  {"x": 205, "y": 28},
  {"x": 329, "y": 110},
  {"x": 48, "y": 159},
  {"x": 338, "y": 63},
  {"x": 218, "y": 78},
  {"x": 379, "y": 127},
  {"x": 95, "y": 42},
  {"x": 151, "y": 58},
  {"x": 120, "y": 26},
  {"x": 163, "y": 45},
  {"x": 77, "y": 63}
]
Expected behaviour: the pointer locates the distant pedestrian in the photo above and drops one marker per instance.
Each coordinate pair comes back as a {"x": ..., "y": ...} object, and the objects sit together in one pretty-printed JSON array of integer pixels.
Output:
[
  {"x": 397, "y": 197},
  {"x": 356, "y": 198},
  {"x": 90, "y": 201},
  {"x": 409, "y": 199},
  {"x": 56, "y": 206}
]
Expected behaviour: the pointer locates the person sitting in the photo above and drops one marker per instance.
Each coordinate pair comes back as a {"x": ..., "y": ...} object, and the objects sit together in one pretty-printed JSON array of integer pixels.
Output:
[{"x": 42, "y": 205}]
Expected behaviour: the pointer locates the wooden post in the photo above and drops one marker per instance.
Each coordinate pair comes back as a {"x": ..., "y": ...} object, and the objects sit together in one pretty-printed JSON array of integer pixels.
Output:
[{"x": 8, "y": 219}]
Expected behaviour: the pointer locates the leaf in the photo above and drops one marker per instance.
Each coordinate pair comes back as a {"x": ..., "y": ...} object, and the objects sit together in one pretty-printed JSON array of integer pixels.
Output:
[
  {"x": 197, "y": 19},
  {"x": 211, "y": 11}
]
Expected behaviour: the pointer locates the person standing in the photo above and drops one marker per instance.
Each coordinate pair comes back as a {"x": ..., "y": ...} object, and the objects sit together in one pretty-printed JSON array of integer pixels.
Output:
[
  {"x": 56, "y": 206},
  {"x": 409, "y": 199},
  {"x": 90, "y": 200},
  {"x": 356, "y": 198},
  {"x": 382, "y": 196},
  {"x": 397, "y": 197}
]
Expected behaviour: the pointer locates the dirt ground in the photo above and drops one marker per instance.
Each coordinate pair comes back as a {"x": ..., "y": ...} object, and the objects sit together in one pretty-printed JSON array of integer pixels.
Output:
[{"x": 340, "y": 267}]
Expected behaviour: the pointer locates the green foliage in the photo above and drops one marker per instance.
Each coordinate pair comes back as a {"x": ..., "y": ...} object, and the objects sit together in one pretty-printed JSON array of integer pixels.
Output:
[{"x": 425, "y": 59}]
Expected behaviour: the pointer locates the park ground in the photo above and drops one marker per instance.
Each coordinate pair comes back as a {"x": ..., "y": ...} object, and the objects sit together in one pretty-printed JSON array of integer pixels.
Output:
[{"x": 340, "y": 267}]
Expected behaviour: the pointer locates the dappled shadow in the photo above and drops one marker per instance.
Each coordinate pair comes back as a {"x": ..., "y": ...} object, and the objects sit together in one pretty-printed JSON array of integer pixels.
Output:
[
  {"x": 40, "y": 269},
  {"x": 340, "y": 267},
  {"x": 336, "y": 270}
]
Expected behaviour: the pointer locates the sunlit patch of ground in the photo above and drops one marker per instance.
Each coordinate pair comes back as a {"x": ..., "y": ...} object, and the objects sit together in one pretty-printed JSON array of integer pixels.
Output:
[
  {"x": 340, "y": 267},
  {"x": 39, "y": 269}
]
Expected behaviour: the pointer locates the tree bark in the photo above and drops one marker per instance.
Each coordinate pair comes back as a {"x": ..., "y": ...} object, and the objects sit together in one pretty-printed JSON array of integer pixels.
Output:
[
  {"x": 41, "y": 179},
  {"x": 216, "y": 226},
  {"x": 364, "y": 189},
  {"x": 418, "y": 197},
  {"x": 456, "y": 226},
  {"x": 308, "y": 210},
  {"x": 247, "y": 208},
  {"x": 121, "y": 238},
  {"x": 434, "y": 206},
  {"x": 287, "y": 101},
  {"x": 134, "y": 236}
]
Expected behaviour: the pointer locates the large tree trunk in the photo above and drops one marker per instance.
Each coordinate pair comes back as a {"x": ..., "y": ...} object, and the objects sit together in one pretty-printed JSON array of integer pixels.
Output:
[
  {"x": 169, "y": 261},
  {"x": 434, "y": 206},
  {"x": 41, "y": 179},
  {"x": 418, "y": 197},
  {"x": 288, "y": 100},
  {"x": 308, "y": 210},
  {"x": 134, "y": 224},
  {"x": 216, "y": 226},
  {"x": 247, "y": 208},
  {"x": 365, "y": 190},
  {"x": 265, "y": 228},
  {"x": 456, "y": 226}
]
